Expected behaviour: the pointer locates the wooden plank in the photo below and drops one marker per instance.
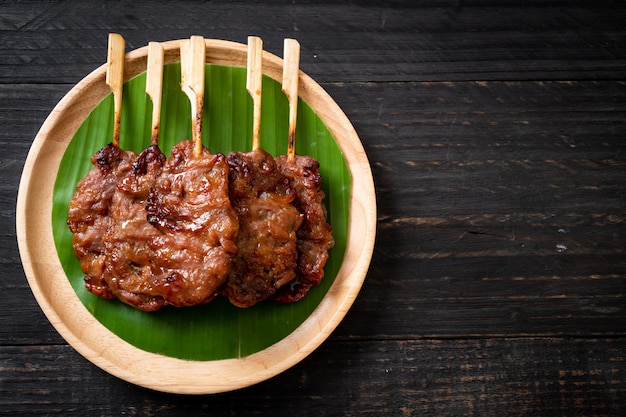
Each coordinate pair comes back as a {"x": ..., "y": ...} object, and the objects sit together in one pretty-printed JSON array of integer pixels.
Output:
[
  {"x": 489, "y": 212},
  {"x": 520, "y": 215},
  {"x": 489, "y": 296},
  {"x": 497, "y": 284},
  {"x": 22, "y": 321},
  {"x": 23, "y": 109},
  {"x": 423, "y": 42},
  {"x": 420, "y": 377},
  {"x": 491, "y": 146}
]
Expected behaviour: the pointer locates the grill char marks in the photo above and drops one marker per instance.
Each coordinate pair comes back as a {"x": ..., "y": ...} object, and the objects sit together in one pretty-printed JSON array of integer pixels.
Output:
[
  {"x": 190, "y": 206},
  {"x": 128, "y": 272},
  {"x": 155, "y": 231},
  {"x": 314, "y": 237},
  {"x": 88, "y": 214},
  {"x": 267, "y": 257}
]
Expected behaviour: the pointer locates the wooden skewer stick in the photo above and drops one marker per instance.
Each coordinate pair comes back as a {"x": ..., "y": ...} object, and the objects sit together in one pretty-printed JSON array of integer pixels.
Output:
[
  {"x": 291, "y": 64},
  {"x": 154, "y": 86},
  {"x": 192, "y": 61},
  {"x": 254, "y": 83},
  {"x": 115, "y": 79}
]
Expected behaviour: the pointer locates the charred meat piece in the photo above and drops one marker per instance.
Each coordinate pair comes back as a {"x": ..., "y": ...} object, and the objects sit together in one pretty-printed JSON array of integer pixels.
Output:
[
  {"x": 189, "y": 204},
  {"x": 88, "y": 216},
  {"x": 314, "y": 235},
  {"x": 128, "y": 272},
  {"x": 155, "y": 231},
  {"x": 267, "y": 257}
]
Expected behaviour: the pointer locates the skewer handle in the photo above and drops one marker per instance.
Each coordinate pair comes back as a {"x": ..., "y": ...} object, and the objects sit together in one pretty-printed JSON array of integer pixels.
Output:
[
  {"x": 154, "y": 86},
  {"x": 115, "y": 79},
  {"x": 290, "y": 88},
  {"x": 254, "y": 85},
  {"x": 192, "y": 61}
]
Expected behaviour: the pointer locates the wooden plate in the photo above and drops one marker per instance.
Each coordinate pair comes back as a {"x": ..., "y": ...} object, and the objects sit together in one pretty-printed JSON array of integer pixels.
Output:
[{"x": 104, "y": 348}]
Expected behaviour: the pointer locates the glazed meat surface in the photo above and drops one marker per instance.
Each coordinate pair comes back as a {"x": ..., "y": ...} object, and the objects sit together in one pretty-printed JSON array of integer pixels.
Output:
[
  {"x": 190, "y": 205},
  {"x": 155, "y": 231},
  {"x": 314, "y": 237},
  {"x": 267, "y": 257},
  {"x": 88, "y": 215},
  {"x": 128, "y": 271}
]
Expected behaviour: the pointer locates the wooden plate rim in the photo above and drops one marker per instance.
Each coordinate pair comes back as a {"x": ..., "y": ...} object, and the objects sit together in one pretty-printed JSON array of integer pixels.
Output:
[{"x": 95, "y": 342}]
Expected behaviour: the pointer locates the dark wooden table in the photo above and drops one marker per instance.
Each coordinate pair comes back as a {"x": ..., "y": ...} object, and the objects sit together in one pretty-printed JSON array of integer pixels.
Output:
[{"x": 497, "y": 138}]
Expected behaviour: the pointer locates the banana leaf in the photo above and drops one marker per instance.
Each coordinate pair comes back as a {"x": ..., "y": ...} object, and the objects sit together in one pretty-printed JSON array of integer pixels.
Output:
[{"x": 216, "y": 330}]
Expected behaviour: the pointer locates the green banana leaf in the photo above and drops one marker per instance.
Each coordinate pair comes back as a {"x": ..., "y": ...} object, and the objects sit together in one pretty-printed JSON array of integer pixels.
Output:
[{"x": 216, "y": 330}]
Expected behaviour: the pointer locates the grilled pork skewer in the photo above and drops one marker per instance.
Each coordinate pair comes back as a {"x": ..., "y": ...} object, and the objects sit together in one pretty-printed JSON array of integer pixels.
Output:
[
  {"x": 127, "y": 241},
  {"x": 190, "y": 206},
  {"x": 88, "y": 217},
  {"x": 261, "y": 197},
  {"x": 314, "y": 236},
  {"x": 153, "y": 231}
]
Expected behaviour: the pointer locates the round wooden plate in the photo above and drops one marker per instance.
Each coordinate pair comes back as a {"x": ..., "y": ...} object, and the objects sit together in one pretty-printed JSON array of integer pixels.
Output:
[{"x": 95, "y": 342}]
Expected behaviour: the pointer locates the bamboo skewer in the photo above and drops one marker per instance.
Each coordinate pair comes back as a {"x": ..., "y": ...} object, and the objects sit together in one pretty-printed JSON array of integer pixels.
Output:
[
  {"x": 154, "y": 86},
  {"x": 192, "y": 61},
  {"x": 254, "y": 85},
  {"x": 290, "y": 88},
  {"x": 115, "y": 79}
]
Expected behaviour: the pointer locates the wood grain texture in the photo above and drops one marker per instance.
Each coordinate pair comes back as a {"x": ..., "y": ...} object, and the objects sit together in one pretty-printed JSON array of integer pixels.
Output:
[
  {"x": 547, "y": 247},
  {"x": 446, "y": 40},
  {"x": 495, "y": 133},
  {"x": 404, "y": 378}
]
